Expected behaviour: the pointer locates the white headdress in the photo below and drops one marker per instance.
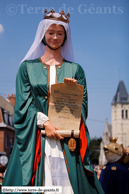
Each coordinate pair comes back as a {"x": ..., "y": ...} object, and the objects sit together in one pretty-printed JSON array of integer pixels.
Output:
[{"x": 38, "y": 48}]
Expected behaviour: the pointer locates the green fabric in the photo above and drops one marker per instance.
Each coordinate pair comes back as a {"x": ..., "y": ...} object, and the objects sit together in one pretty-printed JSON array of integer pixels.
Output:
[
  {"x": 81, "y": 183},
  {"x": 31, "y": 92},
  {"x": 13, "y": 176}
]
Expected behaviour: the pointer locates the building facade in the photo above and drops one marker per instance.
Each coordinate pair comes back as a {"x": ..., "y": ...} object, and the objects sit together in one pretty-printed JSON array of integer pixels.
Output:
[
  {"x": 120, "y": 115},
  {"x": 7, "y": 134},
  {"x": 120, "y": 121}
]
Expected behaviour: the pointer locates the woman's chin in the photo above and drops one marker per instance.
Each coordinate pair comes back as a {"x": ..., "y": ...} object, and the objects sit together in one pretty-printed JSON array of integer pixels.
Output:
[{"x": 55, "y": 46}]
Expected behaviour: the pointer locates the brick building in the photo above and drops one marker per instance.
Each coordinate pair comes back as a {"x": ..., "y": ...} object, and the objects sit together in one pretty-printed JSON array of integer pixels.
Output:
[{"x": 7, "y": 134}]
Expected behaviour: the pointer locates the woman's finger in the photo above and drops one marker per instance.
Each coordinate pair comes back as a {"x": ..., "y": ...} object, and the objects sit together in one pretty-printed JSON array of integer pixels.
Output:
[
  {"x": 70, "y": 81},
  {"x": 59, "y": 136}
]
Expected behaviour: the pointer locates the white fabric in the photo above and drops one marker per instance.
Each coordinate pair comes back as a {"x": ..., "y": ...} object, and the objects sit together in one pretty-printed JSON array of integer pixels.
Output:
[
  {"x": 41, "y": 119},
  {"x": 56, "y": 173},
  {"x": 53, "y": 148},
  {"x": 52, "y": 75},
  {"x": 38, "y": 48},
  {"x": 55, "y": 168}
]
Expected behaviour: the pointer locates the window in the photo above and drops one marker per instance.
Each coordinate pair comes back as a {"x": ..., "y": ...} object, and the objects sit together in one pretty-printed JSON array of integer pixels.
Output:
[
  {"x": 10, "y": 120},
  {"x": 6, "y": 117},
  {"x": 7, "y": 141},
  {"x": 11, "y": 144},
  {"x": 122, "y": 114},
  {"x": 115, "y": 115},
  {"x": 126, "y": 114},
  {"x": 11, "y": 140}
]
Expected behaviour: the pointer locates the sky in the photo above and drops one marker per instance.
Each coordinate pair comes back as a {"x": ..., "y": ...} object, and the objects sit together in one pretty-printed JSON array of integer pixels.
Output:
[{"x": 100, "y": 37}]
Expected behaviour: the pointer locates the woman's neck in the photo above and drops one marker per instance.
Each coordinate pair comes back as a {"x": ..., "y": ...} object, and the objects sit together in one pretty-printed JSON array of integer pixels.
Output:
[{"x": 52, "y": 57}]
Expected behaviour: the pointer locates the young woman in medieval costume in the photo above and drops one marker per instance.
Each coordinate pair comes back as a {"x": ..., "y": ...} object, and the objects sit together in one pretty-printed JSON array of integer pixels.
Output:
[{"x": 50, "y": 60}]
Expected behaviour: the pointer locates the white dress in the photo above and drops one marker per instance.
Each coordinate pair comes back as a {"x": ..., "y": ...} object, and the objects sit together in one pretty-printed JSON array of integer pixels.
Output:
[{"x": 55, "y": 168}]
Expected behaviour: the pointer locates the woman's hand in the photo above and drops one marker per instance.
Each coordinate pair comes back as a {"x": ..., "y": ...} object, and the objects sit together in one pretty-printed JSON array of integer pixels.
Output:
[
  {"x": 51, "y": 131},
  {"x": 70, "y": 81}
]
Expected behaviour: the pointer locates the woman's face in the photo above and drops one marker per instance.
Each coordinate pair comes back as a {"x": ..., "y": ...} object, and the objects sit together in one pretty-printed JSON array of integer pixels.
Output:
[{"x": 55, "y": 35}]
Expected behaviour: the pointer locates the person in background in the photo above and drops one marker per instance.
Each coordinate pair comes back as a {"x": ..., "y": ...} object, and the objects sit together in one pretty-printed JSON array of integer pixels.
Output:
[{"x": 99, "y": 171}]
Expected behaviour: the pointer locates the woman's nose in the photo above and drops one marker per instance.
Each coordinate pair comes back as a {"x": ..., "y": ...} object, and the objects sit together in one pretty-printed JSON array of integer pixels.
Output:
[{"x": 55, "y": 36}]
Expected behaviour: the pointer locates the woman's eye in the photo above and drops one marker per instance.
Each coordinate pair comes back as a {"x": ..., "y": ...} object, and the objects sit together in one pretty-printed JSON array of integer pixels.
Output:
[{"x": 50, "y": 33}]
